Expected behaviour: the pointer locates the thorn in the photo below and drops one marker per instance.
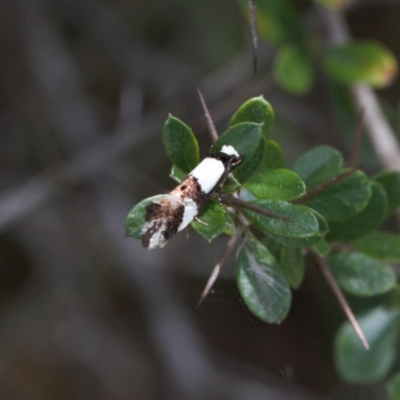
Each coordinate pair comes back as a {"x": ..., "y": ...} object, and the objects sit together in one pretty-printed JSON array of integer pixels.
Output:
[
  {"x": 329, "y": 278},
  {"x": 217, "y": 269},
  {"x": 357, "y": 139},
  {"x": 207, "y": 115},
  {"x": 254, "y": 32}
]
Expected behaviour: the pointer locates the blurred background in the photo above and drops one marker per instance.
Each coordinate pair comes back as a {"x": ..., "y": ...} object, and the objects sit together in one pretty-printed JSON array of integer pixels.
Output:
[{"x": 85, "y": 88}]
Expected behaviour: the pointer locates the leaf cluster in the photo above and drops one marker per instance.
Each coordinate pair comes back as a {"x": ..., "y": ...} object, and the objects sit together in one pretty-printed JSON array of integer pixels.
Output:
[
  {"x": 331, "y": 209},
  {"x": 300, "y": 53}
]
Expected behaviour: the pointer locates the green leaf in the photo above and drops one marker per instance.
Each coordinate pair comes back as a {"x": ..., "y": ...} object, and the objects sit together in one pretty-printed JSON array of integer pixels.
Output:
[
  {"x": 318, "y": 165},
  {"x": 293, "y": 266},
  {"x": 180, "y": 144},
  {"x": 393, "y": 387},
  {"x": 390, "y": 180},
  {"x": 245, "y": 138},
  {"x": 245, "y": 170},
  {"x": 323, "y": 226},
  {"x": 273, "y": 158},
  {"x": 136, "y": 218},
  {"x": 295, "y": 242},
  {"x": 361, "y": 61},
  {"x": 276, "y": 184},
  {"x": 322, "y": 247},
  {"x": 278, "y": 22},
  {"x": 357, "y": 365},
  {"x": 229, "y": 225},
  {"x": 293, "y": 69},
  {"x": 304, "y": 225},
  {"x": 358, "y": 274},
  {"x": 176, "y": 174},
  {"x": 344, "y": 199},
  {"x": 365, "y": 221},
  {"x": 231, "y": 185},
  {"x": 213, "y": 215},
  {"x": 272, "y": 246},
  {"x": 256, "y": 110},
  {"x": 261, "y": 283},
  {"x": 381, "y": 245}
]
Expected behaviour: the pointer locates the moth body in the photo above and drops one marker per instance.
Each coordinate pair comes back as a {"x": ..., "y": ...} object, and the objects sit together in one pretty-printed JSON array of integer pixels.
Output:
[{"x": 170, "y": 214}]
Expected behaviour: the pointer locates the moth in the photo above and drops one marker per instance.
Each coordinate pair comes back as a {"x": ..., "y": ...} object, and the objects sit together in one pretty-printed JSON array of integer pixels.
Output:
[{"x": 170, "y": 214}]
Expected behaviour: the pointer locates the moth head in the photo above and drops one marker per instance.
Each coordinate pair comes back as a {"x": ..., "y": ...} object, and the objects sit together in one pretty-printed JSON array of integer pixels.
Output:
[{"x": 228, "y": 155}]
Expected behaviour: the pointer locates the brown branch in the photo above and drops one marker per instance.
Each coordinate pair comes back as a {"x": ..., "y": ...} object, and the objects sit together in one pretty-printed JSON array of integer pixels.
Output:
[
  {"x": 318, "y": 189},
  {"x": 253, "y": 31},
  {"x": 357, "y": 140},
  {"x": 235, "y": 202},
  {"x": 217, "y": 269},
  {"x": 326, "y": 273},
  {"x": 207, "y": 115}
]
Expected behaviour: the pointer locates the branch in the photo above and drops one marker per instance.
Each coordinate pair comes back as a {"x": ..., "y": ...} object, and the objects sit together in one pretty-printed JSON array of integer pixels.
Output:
[
  {"x": 217, "y": 269},
  {"x": 235, "y": 202},
  {"x": 352, "y": 162},
  {"x": 253, "y": 31},
  {"x": 326, "y": 273},
  {"x": 207, "y": 115},
  {"x": 318, "y": 189}
]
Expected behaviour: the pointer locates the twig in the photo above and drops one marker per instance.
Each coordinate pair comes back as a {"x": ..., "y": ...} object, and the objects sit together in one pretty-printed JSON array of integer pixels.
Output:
[
  {"x": 253, "y": 31},
  {"x": 357, "y": 140},
  {"x": 379, "y": 131},
  {"x": 217, "y": 269},
  {"x": 210, "y": 123},
  {"x": 235, "y": 202},
  {"x": 318, "y": 189},
  {"x": 326, "y": 273}
]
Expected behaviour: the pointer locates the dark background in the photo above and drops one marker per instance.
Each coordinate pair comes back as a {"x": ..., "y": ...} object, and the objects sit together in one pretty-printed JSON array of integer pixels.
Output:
[{"x": 85, "y": 87}]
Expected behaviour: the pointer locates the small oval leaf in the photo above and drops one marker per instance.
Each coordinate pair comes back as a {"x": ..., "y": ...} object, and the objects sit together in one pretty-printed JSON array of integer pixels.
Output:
[
  {"x": 245, "y": 170},
  {"x": 361, "y": 61},
  {"x": 390, "y": 180},
  {"x": 357, "y": 365},
  {"x": 213, "y": 221},
  {"x": 261, "y": 283},
  {"x": 358, "y": 274},
  {"x": 293, "y": 69},
  {"x": 256, "y": 110},
  {"x": 365, "y": 221},
  {"x": 180, "y": 144},
  {"x": 344, "y": 199},
  {"x": 293, "y": 265},
  {"x": 303, "y": 224},
  {"x": 318, "y": 165},
  {"x": 176, "y": 174},
  {"x": 278, "y": 22},
  {"x": 276, "y": 184},
  {"x": 273, "y": 158},
  {"x": 245, "y": 138},
  {"x": 381, "y": 245}
]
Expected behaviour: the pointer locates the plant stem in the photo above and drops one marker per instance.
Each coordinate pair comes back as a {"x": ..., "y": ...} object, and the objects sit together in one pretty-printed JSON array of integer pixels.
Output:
[
  {"x": 217, "y": 269},
  {"x": 318, "y": 189},
  {"x": 235, "y": 202},
  {"x": 326, "y": 273},
  {"x": 207, "y": 115},
  {"x": 352, "y": 162}
]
